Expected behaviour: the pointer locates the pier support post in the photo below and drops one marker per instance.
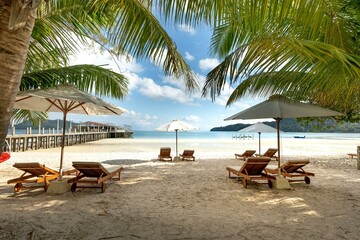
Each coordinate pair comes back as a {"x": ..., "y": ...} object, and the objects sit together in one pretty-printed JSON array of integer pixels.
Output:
[{"x": 358, "y": 157}]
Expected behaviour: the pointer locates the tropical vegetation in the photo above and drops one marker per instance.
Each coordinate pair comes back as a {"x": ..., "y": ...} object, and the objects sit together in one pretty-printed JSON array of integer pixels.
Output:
[
  {"x": 306, "y": 50},
  {"x": 38, "y": 37}
]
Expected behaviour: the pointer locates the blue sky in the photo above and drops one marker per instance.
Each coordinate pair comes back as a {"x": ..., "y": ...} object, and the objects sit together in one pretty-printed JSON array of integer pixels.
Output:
[{"x": 154, "y": 99}]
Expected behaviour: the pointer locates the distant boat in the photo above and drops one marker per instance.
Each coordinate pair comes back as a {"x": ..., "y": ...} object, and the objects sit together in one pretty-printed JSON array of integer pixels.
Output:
[{"x": 299, "y": 136}]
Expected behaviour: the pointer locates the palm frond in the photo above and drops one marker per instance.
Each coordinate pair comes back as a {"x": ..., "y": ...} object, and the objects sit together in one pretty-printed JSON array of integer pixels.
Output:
[
  {"x": 298, "y": 66},
  {"x": 60, "y": 27},
  {"x": 247, "y": 21},
  {"x": 21, "y": 115},
  {"x": 134, "y": 29},
  {"x": 123, "y": 26},
  {"x": 194, "y": 12},
  {"x": 104, "y": 82}
]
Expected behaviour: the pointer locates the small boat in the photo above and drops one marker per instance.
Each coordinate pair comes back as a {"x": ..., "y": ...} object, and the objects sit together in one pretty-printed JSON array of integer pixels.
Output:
[{"x": 299, "y": 136}]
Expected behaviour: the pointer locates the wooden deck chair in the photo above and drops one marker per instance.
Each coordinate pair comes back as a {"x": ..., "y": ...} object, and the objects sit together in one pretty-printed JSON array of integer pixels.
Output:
[
  {"x": 35, "y": 175},
  {"x": 187, "y": 155},
  {"x": 244, "y": 155},
  {"x": 293, "y": 169},
  {"x": 165, "y": 154},
  {"x": 269, "y": 153},
  {"x": 252, "y": 169},
  {"x": 93, "y": 175}
]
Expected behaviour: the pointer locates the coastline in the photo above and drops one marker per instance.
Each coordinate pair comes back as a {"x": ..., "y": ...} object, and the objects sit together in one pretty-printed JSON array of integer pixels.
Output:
[
  {"x": 148, "y": 148},
  {"x": 188, "y": 200}
]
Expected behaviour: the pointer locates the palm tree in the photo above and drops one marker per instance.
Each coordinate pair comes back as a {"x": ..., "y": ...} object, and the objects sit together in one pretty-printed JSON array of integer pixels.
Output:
[
  {"x": 308, "y": 50},
  {"x": 104, "y": 82},
  {"x": 31, "y": 27}
]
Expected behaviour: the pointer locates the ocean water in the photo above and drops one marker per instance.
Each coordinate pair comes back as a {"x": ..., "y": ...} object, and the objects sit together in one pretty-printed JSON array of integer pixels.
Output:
[
  {"x": 224, "y": 135},
  {"x": 230, "y": 135}
]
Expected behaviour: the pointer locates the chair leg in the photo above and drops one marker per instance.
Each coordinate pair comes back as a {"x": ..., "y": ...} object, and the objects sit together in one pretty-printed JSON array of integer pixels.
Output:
[
  {"x": 245, "y": 183},
  {"x": 73, "y": 187},
  {"x": 18, "y": 187},
  {"x": 103, "y": 187}
]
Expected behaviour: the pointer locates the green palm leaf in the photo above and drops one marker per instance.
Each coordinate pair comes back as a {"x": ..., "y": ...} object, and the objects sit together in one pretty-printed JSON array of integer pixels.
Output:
[
  {"x": 104, "y": 82},
  {"x": 298, "y": 48},
  {"x": 21, "y": 115}
]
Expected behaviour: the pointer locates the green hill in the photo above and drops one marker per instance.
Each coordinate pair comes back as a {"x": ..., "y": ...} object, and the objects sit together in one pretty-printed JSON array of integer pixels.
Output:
[
  {"x": 293, "y": 125},
  {"x": 47, "y": 124}
]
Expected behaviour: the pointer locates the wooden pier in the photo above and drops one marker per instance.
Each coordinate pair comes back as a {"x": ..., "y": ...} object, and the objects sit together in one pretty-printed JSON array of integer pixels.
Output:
[{"x": 26, "y": 142}]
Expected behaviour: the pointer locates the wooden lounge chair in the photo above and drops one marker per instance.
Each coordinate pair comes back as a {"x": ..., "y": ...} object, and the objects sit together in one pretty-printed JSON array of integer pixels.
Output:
[
  {"x": 187, "y": 155},
  {"x": 252, "y": 169},
  {"x": 244, "y": 155},
  {"x": 35, "y": 175},
  {"x": 352, "y": 155},
  {"x": 293, "y": 169},
  {"x": 165, "y": 154},
  {"x": 93, "y": 175},
  {"x": 269, "y": 153}
]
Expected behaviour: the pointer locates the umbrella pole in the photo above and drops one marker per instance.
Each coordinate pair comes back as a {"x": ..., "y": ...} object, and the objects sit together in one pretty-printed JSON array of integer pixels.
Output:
[
  {"x": 259, "y": 143},
  {"x": 62, "y": 146},
  {"x": 278, "y": 143},
  {"x": 176, "y": 131}
]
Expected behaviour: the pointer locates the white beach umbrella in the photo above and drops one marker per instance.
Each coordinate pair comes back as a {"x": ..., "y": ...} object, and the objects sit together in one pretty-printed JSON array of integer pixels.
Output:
[
  {"x": 65, "y": 99},
  {"x": 279, "y": 107},
  {"x": 259, "y": 127},
  {"x": 176, "y": 125}
]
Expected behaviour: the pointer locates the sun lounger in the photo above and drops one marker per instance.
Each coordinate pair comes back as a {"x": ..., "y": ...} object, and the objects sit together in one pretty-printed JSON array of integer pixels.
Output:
[
  {"x": 244, "y": 155},
  {"x": 187, "y": 155},
  {"x": 36, "y": 175},
  {"x": 93, "y": 175},
  {"x": 252, "y": 169},
  {"x": 269, "y": 153},
  {"x": 165, "y": 154},
  {"x": 293, "y": 169},
  {"x": 352, "y": 155}
]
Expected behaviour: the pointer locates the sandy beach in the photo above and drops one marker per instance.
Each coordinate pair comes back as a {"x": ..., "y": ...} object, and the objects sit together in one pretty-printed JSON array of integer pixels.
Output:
[{"x": 188, "y": 200}]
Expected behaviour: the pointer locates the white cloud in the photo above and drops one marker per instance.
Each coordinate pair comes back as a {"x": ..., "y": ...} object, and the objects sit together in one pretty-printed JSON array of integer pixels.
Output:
[
  {"x": 192, "y": 118},
  {"x": 208, "y": 63},
  {"x": 189, "y": 57},
  {"x": 139, "y": 120},
  {"x": 93, "y": 54},
  {"x": 151, "y": 89},
  {"x": 186, "y": 28},
  {"x": 177, "y": 82},
  {"x": 134, "y": 80},
  {"x": 172, "y": 88}
]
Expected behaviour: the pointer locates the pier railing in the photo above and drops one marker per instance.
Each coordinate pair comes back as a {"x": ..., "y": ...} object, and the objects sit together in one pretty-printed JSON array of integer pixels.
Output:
[{"x": 26, "y": 142}]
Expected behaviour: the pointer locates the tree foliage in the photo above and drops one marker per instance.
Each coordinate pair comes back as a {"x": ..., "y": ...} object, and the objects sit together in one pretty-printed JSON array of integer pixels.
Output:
[{"x": 306, "y": 50}]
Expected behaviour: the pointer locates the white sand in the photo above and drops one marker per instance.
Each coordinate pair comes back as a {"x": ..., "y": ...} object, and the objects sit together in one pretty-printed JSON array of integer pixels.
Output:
[{"x": 188, "y": 200}]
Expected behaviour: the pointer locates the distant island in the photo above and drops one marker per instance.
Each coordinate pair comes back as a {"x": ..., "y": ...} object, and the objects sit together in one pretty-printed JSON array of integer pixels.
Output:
[{"x": 292, "y": 125}]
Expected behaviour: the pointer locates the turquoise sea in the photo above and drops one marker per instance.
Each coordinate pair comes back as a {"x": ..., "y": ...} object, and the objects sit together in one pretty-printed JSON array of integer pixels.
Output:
[
  {"x": 230, "y": 135},
  {"x": 226, "y": 135}
]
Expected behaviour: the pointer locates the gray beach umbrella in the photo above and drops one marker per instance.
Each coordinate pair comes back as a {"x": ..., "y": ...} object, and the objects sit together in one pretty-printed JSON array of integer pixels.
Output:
[
  {"x": 65, "y": 99},
  {"x": 176, "y": 125},
  {"x": 259, "y": 128},
  {"x": 279, "y": 107}
]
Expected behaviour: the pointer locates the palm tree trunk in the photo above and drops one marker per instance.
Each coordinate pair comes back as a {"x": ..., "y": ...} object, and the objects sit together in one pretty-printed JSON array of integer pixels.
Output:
[{"x": 13, "y": 51}]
